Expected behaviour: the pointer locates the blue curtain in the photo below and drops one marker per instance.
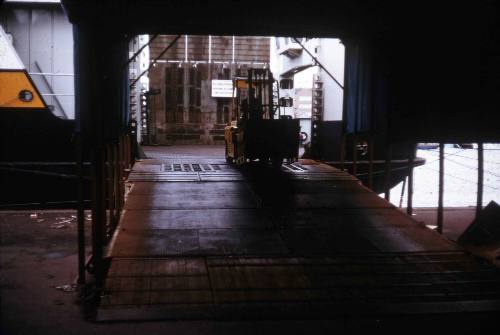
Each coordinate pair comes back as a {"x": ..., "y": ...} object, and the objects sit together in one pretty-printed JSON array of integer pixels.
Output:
[{"x": 358, "y": 106}]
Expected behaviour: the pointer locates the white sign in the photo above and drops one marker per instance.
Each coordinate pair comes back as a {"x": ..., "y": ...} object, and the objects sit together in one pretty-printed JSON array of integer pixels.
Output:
[{"x": 222, "y": 88}]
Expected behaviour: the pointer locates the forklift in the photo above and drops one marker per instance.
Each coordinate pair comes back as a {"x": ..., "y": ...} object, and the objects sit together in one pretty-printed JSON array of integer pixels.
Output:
[{"x": 259, "y": 131}]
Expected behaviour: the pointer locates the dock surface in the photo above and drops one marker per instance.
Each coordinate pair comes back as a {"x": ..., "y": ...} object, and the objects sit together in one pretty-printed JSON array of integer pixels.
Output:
[{"x": 201, "y": 239}]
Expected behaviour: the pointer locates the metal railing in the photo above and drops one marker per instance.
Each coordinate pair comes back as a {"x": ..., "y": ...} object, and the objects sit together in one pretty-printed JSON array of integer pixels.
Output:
[{"x": 110, "y": 166}]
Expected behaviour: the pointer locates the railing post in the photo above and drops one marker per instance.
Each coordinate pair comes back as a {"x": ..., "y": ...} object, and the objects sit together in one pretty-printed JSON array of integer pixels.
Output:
[
  {"x": 120, "y": 175},
  {"x": 480, "y": 178},
  {"x": 441, "y": 189},
  {"x": 110, "y": 187},
  {"x": 80, "y": 211},
  {"x": 371, "y": 148},
  {"x": 98, "y": 212},
  {"x": 116, "y": 181},
  {"x": 387, "y": 182},
  {"x": 354, "y": 155},
  {"x": 411, "y": 160},
  {"x": 342, "y": 151}
]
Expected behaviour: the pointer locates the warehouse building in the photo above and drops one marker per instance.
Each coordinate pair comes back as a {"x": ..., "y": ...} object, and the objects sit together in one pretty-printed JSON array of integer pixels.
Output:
[{"x": 193, "y": 103}]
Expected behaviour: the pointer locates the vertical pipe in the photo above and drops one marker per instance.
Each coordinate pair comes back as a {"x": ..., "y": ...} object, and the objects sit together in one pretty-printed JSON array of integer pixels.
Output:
[
  {"x": 233, "y": 49},
  {"x": 371, "y": 149},
  {"x": 387, "y": 181},
  {"x": 80, "y": 214},
  {"x": 209, "y": 49},
  {"x": 480, "y": 178},
  {"x": 441, "y": 188},
  {"x": 232, "y": 114},
  {"x": 185, "y": 48},
  {"x": 411, "y": 161},
  {"x": 270, "y": 95},
  {"x": 186, "y": 93}
]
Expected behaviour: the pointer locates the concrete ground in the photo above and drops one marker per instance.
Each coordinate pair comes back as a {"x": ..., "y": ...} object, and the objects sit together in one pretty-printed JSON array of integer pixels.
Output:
[{"x": 38, "y": 265}]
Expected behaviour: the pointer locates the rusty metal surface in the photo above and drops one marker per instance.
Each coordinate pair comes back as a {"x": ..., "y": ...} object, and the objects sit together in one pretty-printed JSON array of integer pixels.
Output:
[{"x": 275, "y": 246}]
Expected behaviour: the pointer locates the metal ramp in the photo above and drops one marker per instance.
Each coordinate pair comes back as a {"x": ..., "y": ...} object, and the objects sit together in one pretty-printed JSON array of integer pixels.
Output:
[{"x": 306, "y": 242}]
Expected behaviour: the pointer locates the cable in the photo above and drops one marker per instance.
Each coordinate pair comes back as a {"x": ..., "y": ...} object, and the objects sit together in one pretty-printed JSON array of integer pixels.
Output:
[
  {"x": 472, "y": 168},
  {"x": 446, "y": 155},
  {"x": 156, "y": 59},
  {"x": 463, "y": 179},
  {"x": 475, "y": 159},
  {"x": 318, "y": 62},
  {"x": 456, "y": 154}
]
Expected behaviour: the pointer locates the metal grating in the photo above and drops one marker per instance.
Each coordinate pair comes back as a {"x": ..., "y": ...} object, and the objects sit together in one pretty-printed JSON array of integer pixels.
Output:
[
  {"x": 164, "y": 176},
  {"x": 185, "y": 172},
  {"x": 387, "y": 283},
  {"x": 202, "y": 171},
  {"x": 190, "y": 167},
  {"x": 293, "y": 168}
]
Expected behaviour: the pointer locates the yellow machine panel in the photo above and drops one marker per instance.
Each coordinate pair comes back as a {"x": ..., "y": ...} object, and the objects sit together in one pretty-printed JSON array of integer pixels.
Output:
[{"x": 18, "y": 91}]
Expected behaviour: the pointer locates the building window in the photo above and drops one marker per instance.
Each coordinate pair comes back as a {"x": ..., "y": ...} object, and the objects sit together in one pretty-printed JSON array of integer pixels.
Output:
[
  {"x": 174, "y": 94},
  {"x": 194, "y": 89},
  {"x": 223, "y": 108}
]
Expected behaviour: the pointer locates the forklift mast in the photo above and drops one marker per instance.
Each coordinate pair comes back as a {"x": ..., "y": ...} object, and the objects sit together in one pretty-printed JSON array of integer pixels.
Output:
[{"x": 260, "y": 134}]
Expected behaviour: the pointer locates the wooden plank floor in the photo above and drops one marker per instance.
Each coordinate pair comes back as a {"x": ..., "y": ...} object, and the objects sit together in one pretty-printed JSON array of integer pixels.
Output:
[{"x": 202, "y": 239}]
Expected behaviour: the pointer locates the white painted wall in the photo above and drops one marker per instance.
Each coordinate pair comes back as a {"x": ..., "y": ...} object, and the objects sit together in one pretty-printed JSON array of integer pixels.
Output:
[
  {"x": 331, "y": 53},
  {"x": 304, "y": 79}
]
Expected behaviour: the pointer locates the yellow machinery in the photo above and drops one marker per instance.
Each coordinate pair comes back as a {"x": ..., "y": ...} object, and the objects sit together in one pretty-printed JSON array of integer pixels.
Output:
[
  {"x": 16, "y": 88},
  {"x": 260, "y": 132}
]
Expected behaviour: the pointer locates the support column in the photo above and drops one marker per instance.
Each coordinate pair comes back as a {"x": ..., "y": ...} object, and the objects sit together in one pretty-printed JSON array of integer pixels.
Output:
[
  {"x": 100, "y": 117},
  {"x": 89, "y": 123}
]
